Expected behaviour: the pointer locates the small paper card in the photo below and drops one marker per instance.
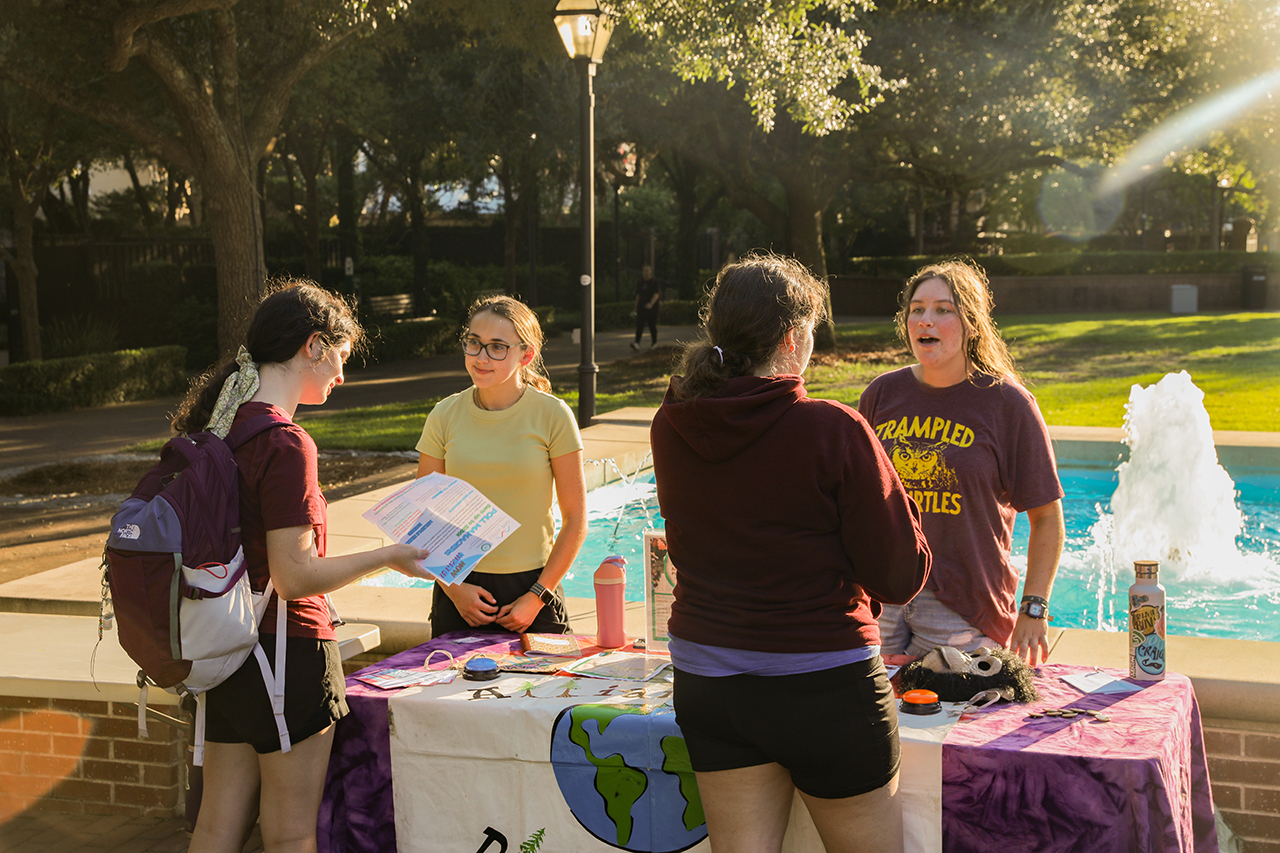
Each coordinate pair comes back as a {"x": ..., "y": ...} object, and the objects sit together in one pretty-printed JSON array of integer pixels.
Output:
[
  {"x": 622, "y": 665},
  {"x": 389, "y": 679},
  {"x": 1099, "y": 682}
]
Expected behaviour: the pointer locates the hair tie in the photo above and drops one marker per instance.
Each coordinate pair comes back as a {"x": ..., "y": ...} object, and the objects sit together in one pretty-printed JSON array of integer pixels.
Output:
[
  {"x": 239, "y": 387},
  {"x": 720, "y": 353}
]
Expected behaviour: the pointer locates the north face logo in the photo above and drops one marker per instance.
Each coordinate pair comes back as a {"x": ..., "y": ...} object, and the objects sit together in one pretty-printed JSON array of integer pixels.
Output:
[{"x": 129, "y": 531}]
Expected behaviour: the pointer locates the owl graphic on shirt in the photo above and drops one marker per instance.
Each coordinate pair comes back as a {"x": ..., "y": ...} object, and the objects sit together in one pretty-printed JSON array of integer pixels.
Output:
[{"x": 923, "y": 465}]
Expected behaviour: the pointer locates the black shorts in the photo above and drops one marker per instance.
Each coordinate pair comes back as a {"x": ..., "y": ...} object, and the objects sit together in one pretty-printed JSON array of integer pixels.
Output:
[
  {"x": 553, "y": 618},
  {"x": 836, "y": 730},
  {"x": 315, "y": 696}
]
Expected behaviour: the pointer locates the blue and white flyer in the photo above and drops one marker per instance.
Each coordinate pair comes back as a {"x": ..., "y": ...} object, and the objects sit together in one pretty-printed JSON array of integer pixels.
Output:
[{"x": 449, "y": 518}]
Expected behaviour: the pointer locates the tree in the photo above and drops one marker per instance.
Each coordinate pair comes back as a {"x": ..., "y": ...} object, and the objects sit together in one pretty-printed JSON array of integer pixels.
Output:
[
  {"x": 39, "y": 145},
  {"x": 202, "y": 84}
]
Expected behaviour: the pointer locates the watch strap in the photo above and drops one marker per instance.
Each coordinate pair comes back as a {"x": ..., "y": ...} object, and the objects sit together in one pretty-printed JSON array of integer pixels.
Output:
[
  {"x": 1035, "y": 607},
  {"x": 545, "y": 595}
]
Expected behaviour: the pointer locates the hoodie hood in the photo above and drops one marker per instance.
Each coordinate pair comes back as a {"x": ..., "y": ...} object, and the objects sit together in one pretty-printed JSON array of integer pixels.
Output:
[{"x": 719, "y": 428}]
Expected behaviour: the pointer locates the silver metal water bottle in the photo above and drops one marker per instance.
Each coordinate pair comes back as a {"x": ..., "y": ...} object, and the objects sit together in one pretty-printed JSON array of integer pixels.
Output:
[{"x": 1146, "y": 622}]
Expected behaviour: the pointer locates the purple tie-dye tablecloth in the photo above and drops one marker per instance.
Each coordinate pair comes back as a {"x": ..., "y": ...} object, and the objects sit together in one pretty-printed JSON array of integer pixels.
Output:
[{"x": 1138, "y": 782}]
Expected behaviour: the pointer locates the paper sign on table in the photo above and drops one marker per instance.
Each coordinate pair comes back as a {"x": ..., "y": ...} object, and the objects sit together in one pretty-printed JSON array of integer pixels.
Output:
[
  {"x": 1099, "y": 682},
  {"x": 391, "y": 678},
  {"x": 625, "y": 665},
  {"x": 447, "y": 516}
]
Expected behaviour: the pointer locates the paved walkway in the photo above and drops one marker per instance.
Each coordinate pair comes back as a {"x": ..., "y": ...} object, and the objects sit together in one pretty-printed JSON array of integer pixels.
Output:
[
  {"x": 40, "y": 439},
  {"x": 57, "y": 833}
]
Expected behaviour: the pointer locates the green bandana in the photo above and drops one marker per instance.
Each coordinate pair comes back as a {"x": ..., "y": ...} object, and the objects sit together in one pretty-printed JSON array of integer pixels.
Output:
[{"x": 238, "y": 388}]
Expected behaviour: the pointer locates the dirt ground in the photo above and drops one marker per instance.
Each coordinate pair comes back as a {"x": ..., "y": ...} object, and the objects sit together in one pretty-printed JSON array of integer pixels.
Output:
[{"x": 58, "y": 514}]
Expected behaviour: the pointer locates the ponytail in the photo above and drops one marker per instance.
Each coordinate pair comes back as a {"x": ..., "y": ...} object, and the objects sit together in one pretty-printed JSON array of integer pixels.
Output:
[{"x": 752, "y": 305}]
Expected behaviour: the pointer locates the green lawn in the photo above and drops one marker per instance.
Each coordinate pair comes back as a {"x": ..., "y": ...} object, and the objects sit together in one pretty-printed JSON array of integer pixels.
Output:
[{"x": 1080, "y": 368}]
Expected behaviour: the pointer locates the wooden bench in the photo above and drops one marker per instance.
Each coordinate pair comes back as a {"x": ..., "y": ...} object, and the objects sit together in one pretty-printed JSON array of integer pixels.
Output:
[{"x": 390, "y": 305}]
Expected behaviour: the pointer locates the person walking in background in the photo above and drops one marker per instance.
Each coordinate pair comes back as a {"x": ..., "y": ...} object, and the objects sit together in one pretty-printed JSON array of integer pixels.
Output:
[
  {"x": 789, "y": 528},
  {"x": 648, "y": 297},
  {"x": 510, "y": 438},
  {"x": 969, "y": 443},
  {"x": 298, "y": 341}
]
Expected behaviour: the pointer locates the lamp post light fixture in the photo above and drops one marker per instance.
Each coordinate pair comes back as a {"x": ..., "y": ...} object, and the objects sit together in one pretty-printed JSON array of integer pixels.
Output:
[{"x": 585, "y": 28}]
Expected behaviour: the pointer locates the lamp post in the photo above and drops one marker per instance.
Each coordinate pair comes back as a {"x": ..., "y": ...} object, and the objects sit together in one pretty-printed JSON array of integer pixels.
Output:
[{"x": 585, "y": 28}]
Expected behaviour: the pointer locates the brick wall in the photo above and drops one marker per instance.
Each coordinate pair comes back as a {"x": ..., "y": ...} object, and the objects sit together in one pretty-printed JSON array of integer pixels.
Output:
[
  {"x": 85, "y": 758},
  {"x": 1244, "y": 770}
]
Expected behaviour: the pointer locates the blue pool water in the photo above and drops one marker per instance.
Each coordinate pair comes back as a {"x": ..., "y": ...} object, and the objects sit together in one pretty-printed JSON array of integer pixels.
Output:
[{"x": 1089, "y": 592}]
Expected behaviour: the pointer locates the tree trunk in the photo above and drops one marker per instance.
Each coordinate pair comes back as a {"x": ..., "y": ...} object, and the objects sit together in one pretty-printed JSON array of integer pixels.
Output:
[
  {"x": 512, "y": 208},
  {"x": 139, "y": 192},
  {"x": 804, "y": 210},
  {"x": 416, "y": 206},
  {"x": 343, "y": 157},
  {"x": 24, "y": 267},
  {"x": 231, "y": 205}
]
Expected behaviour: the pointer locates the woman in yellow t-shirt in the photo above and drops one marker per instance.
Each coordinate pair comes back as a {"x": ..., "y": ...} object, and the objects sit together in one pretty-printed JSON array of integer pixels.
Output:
[{"x": 508, "y": 436}]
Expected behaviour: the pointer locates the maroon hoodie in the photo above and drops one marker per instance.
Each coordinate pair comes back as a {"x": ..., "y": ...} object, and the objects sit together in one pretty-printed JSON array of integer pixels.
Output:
[{"x": 785, "y": 520}]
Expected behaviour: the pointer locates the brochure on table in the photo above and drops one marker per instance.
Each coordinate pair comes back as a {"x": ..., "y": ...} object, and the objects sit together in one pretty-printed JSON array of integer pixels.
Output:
[
  {"x": 449, "y": 518},
  {"x": 659, "y": 589}
]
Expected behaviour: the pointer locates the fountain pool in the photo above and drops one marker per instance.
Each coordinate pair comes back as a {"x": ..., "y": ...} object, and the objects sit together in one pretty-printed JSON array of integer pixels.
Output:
[
  {"x": 1087, "y": 593},
  {"x": 1215, "y": 532}
]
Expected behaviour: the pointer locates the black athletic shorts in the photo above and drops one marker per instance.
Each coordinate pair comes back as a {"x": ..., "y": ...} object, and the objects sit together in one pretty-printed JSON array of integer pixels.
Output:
[
  {"x": 836, "y": 730},
  {"x": 553, "y": 618},
  {"x": 315, "y": 696}
]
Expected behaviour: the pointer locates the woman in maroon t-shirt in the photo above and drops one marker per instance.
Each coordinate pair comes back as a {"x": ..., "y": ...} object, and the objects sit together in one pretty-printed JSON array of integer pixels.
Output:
[
  {"x": 969, "y": 444},
  {"x": 297, "y": 344}
]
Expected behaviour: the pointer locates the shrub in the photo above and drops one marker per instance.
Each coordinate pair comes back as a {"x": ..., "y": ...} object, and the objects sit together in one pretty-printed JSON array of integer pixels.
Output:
[
  {"x": 415, "y": 338},
  {"x": 170, "y": 305},
  {"x": 55, "y": 385},
  {"x": 1077, "y": 263},
  {"x": 79, "y": 334},
  {"x": 617, "y": 315},
  {"x": 457, "y": 287}
]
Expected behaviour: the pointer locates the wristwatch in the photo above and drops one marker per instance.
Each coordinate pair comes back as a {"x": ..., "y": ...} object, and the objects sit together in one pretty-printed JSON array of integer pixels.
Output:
[
  {"x": 545, "y": 595},
  {"x": 1034, "y": 606}
]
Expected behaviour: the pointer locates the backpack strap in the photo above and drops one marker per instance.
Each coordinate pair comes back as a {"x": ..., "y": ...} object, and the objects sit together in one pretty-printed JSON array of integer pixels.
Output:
[{"x": 275, "y": 683}]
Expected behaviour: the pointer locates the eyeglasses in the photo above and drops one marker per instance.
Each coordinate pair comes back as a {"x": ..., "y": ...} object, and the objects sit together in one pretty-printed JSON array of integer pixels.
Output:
[{"x": 496, "y": 351}]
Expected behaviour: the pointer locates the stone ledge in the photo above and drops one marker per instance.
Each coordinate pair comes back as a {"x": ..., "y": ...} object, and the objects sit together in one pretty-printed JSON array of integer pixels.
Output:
[{"x": 59, "y": 657}]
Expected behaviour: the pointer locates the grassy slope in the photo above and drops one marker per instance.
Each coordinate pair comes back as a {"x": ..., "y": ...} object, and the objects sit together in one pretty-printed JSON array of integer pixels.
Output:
[{"x": 1080, "y": 368}]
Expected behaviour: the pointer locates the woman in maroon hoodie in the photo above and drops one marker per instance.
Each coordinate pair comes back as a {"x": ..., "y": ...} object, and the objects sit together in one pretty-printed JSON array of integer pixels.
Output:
[{"x": 788, "y": 527}]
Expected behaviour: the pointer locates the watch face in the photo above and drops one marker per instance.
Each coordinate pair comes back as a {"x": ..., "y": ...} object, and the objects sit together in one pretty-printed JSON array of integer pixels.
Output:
[{"x": 1035, "y": 610}]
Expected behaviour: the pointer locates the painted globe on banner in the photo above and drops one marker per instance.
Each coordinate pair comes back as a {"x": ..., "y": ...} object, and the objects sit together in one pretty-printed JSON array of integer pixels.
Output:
[{"x": 624, "y": 773}]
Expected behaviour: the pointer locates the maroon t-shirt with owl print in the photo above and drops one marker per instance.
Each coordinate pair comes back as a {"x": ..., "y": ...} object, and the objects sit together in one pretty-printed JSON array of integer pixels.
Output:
[{"x": 973, "y": 456}]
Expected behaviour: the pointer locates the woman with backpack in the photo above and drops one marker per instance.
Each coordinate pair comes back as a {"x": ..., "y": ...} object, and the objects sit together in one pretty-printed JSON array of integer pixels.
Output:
[
  {"x": 298, "y": 341},
  {"x": 509, "y": 437}
]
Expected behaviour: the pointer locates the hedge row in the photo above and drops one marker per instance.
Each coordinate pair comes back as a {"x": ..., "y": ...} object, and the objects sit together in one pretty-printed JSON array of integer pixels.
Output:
[
  {"x": 58, "y": 384},
  {"x": 1076, "y": 263},
  {"x": 617, "y": 315},
  {"x": 416, "y": 338}
]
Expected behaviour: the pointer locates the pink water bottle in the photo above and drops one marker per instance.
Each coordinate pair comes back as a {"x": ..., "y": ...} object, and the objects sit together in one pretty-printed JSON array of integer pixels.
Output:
[{"x": 611, "y": 584}]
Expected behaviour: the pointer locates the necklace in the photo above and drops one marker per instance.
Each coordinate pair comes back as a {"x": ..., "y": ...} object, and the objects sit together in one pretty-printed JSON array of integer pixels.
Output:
[{"x": 475, "y": 398}]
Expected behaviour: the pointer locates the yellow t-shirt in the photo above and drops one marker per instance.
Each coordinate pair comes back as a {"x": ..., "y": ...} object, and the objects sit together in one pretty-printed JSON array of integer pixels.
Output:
[{"x": 507, "y": 456}]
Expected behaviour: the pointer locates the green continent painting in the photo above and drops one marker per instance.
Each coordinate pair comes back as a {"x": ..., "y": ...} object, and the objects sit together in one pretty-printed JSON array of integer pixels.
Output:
[{"x": 624, "y": 773}]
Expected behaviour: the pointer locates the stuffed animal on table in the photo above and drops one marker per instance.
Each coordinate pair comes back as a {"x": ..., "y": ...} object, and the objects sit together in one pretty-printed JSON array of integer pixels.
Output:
[{"x": 959, "y": 677}]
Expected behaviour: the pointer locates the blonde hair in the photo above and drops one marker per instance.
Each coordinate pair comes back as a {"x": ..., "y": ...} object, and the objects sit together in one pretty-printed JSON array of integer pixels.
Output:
[
  {"x": 984, "y": 350},
  {"x": 528, "y": 329}
]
